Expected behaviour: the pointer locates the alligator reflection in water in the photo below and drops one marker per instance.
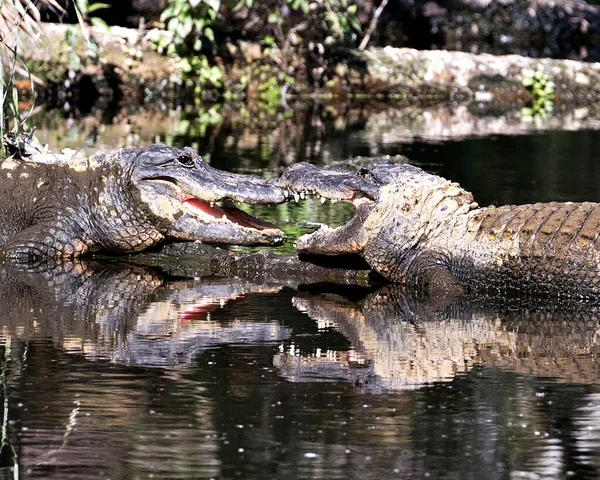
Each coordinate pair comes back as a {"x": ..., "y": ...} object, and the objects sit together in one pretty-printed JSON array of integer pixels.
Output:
[
  {"x": 401, "y": 344},
  {"x": 127, "y": 313},
  {"x": 212, "y": 405},
  {"x": 121, "y": 316},
  {"x": 384, "y": 341}
]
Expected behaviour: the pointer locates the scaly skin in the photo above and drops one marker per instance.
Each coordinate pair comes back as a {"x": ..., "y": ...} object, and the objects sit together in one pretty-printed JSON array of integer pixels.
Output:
[
  {"x": 125, "y": 201},
  {"x": 421, "y": 229}
]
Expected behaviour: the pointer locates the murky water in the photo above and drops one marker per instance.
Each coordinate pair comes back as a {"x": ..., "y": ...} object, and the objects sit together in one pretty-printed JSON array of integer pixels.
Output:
[{"x": 110, "y": 370}]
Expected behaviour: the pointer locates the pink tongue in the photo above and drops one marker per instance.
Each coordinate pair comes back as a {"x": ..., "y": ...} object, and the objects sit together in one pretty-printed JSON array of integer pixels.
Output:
[
  {"x": 203, "y": 206},
  {"x": 196, "y": 312}
]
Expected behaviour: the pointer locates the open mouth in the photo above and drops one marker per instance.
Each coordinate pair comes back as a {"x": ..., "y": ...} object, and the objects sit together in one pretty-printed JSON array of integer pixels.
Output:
[
  {"x": 304, "y": 180},
  {"x": 362, "y": 207},
  {"x": 211, "y": 212},
  {"x": 355, "y": 198}
]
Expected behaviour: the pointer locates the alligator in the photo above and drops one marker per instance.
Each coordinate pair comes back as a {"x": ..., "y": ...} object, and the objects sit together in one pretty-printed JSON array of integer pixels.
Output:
[
  {"x": 56, "y": 206},
  {"x": 420, "y": 229}
]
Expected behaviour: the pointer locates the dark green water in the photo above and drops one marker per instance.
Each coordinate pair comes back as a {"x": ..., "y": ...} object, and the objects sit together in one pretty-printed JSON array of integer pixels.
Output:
[{"x": 126, "y": 373}]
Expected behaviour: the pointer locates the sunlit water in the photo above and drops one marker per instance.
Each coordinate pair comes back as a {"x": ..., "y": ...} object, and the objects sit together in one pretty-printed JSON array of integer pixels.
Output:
[{"x": 125, "y": 373}]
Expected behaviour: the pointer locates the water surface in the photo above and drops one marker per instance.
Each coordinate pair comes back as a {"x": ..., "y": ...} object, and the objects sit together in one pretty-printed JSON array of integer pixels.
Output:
[{"x": 121, "y": 371}]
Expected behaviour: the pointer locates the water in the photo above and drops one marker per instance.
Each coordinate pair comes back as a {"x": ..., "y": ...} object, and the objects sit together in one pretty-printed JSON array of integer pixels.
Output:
[{"x": 119, "y": 371}]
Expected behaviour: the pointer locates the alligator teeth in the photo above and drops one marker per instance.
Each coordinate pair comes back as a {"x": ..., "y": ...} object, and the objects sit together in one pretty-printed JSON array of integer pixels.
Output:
[
  {"x": 323, "y": 199},
  {"x": 302, "y": 195},
  {"x": 212, "y": 204},
  {"x": 224, "y": 217},
  {"x": 296, "y": 197}
]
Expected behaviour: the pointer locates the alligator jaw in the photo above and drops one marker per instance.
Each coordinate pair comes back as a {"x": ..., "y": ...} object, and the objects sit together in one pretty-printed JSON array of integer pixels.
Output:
[
  {"x": 349, "y": 238},
  {"x": 188, "y": 217},
  {"x": 336, "y": 185},
  {"x": 225, "y": 225},
  {"x": 329, "y": 183},
  {"x": 181, "y": 190}
]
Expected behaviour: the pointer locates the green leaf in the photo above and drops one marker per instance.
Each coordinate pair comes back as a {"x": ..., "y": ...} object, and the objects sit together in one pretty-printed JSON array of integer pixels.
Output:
[
  {"x": 71, "y": 35},
  {"x": 208, "y": 33},
  {"x": 74, "y": 62},
  {"x": 213, "y": 4},
  {"x": 101, "y": 24},
  {"x": 97, "y": 6},
  {"x": 243, "y": 3},
  {"x": 171, "y": 49},
  {"x": 527, "y": 81},
  {"x": 82, "y": 6},
  {"x": 185, "y": 65},
  {"x": 173, "y": 25},
  {"x": 166, "y": 14},
  {"x": 186, "y": 27},
  {"x": 355, "y": 23},
  {"x": 199, "y": 24},
  {"x": 212, "y": 14}
]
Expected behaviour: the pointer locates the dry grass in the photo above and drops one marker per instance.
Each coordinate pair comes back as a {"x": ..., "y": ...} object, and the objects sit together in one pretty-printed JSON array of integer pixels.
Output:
[
  {"x": 21, "y": 16},
  {"x": 17, "y": 18}
]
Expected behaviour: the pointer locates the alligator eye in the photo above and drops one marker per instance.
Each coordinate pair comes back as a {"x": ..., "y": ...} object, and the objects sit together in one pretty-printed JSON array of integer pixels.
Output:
[
  {"x": 186, "y": 160},
  {"x": 365, "y": 172}
]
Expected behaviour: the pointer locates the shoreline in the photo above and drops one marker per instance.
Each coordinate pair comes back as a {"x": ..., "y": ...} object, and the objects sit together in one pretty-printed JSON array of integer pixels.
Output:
[{"x": 132, "y": 70}]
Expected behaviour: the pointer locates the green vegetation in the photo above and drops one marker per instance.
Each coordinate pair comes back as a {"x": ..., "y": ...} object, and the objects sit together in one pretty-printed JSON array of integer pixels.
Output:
[
  {"x": 190, "y": 24},
  {"x": 542, "y": 93},
  {"x": 92, "y": 53},
  {"x": 16, "y": 19},
  {"x": 294, "y": 36}
]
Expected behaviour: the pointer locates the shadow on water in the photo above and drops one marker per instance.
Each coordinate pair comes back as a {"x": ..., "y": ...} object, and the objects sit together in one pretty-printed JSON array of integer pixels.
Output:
[{"x": 114, "y": 370}]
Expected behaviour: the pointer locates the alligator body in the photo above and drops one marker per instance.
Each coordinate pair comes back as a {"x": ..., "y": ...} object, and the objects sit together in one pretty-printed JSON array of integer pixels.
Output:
[
  {"x": 125, "y": 201},
  {"x": 417, "y": 228}
]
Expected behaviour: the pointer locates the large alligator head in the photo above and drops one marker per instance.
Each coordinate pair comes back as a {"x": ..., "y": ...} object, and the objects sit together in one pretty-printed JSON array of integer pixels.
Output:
[
  {"x": 398, "y": 206},
  {"x": 180, "y": 188},
  {"x": 126, "y": 201}
]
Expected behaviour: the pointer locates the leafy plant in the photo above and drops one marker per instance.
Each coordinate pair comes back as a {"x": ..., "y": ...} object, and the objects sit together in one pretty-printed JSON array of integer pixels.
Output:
[
  {"x": 338, "y": 16},
  {"x": 84, "y": 11},
  {"x": 308, "y": 33},
  {"x": 10, "y": 117},
  {"x": 542, "y": 92},
  {"x": 16, "y": 18},
  {"x": 292, "y": 30},
  {"x": 190, "y": 23}
]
